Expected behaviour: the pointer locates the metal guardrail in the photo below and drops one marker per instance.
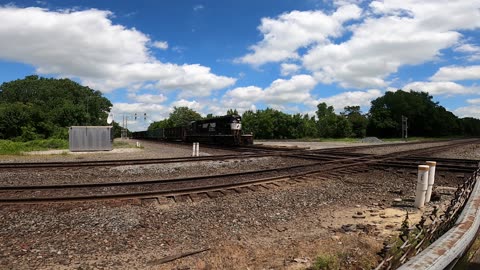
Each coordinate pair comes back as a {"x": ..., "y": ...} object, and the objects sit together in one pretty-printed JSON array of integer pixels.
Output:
[{"x": 442, "y": 238}]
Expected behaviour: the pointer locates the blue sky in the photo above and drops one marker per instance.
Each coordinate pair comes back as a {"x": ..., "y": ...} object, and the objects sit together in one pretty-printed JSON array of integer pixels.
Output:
[{"x": 149, "y": 56}]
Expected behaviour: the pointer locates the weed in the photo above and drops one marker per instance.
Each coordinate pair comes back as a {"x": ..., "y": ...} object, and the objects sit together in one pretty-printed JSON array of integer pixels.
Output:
[
  {"x": 326, "y": 262},
  {"x": 123, "y": 144}
]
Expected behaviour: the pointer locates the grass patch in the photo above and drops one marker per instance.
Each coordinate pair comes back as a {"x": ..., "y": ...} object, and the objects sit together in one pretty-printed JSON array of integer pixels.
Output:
[
  {"x": 124, "y": 144},
  {"x": 326, "y": 262},
  {"x": 8, "y": 147}
]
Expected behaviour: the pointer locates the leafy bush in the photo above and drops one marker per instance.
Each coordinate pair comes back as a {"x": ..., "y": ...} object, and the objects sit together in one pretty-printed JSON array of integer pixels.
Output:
[
  {"x": 60, "y": 133},
  {"x": 9, "y": 147}
]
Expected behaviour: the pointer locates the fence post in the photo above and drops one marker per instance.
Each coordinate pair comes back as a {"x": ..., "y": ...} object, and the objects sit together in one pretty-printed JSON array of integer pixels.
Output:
[
  {"x": 422, "y": 185},
  {"x": 431, "y": 179}
]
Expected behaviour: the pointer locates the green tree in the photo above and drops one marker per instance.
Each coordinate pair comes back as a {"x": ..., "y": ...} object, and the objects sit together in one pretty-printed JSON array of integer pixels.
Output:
[
  {"x": 14, "y": 117},
  {"x": 274, "y": 124},
  {"x": 249, "y": 122},
  {"x": 181, "y": 116},
  {"x": 260, "y": 123},
  {"x": 327, "y": 120},
  {"x": 165, "y": 123},
  {"x": 470, "y": 126},
  {"x": 343, "y": 128},
  {"x": 46, "y": 107},
  {"x": 265, "y": 124},
  {"x": 232, "y": 112},
  {"x": 310, "y": 126},
  {"x": 117, "y": 130},
  {"x": 357, "y": 120},
  {"x": 425, "y": 117}
]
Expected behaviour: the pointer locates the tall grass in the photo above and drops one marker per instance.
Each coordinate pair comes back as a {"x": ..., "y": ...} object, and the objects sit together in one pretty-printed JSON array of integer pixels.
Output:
[{"x": 8, "y": 147}]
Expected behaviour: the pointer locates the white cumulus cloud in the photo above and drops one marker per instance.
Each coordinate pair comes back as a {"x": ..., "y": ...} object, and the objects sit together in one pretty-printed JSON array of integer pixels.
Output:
[
  {"x": 283, "y": 36},
  {"x": 289, "y": 69},
  {"x": 473, "y": 101},
  {"x": 194, "y": 105},
  {"x": 154, "y": 112},
  {"x": 471, "y": 50},
  {"x": 468, "y": 111},
  {"x": 250, "y": 93},
  {"x": 148, "y": 98},
  {"x": 163, "y": 45},
  {"x": 378, "y": 47},
  {"x": 361, "y": 48},
  {"x": 278, "y": 94},
  {"x": 352, "y": 98},
  {"x": 87, "y": 45},
  {"x": 441, "y": 88},
  {"x": 457, "y": 73},
  {"x": 295, "y": 90}
]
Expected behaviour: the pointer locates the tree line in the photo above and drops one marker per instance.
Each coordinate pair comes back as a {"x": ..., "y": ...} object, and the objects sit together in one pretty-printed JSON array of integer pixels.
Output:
[
  {"x": 426, "y": 118},
  {"x": 36, "y": 108}
]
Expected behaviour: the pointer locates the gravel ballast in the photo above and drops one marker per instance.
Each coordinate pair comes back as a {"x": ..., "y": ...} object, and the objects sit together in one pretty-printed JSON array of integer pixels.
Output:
[{"x": 283, "y": 227}]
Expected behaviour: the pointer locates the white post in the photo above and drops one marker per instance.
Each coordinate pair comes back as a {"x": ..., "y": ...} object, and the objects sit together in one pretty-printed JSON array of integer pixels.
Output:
[
  {"x": 193, "y": 150},
  {"x": 431, "y": 179},
  {"x": 422, "y": 184},
  {"x": 198, "y": 149}
]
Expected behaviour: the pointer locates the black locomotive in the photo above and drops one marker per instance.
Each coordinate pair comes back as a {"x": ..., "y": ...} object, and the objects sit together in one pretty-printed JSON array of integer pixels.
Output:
[{"x": 225, "y": 130}]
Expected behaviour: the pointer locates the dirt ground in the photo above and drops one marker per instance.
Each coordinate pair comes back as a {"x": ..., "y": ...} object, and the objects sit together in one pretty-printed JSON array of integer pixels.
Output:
[{"x": 339, "y": 220}]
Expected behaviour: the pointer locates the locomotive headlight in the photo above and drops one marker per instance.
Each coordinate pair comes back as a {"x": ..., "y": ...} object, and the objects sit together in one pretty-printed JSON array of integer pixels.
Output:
[{"x": 236, "y": 126}]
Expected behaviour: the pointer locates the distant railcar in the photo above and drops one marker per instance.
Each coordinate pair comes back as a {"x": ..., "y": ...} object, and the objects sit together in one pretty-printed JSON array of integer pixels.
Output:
[{"x": 225, "y": 130}]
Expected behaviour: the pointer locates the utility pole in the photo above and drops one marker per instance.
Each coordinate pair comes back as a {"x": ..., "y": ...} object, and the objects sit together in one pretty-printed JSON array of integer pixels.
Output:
[
  {"x": 404, "y": 127},
  {"x": 124, "y": 132}
]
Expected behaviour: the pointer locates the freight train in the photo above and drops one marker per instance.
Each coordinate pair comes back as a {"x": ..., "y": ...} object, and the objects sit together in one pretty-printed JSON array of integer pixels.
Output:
[{"x": 224, "y": 130}]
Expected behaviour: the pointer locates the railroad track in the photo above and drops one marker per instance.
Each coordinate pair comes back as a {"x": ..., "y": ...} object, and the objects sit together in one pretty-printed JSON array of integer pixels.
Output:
[
  {"x": 107, "y": 163},
  {"x": 246, "y": 152},
  {"x": 163, "y": 187},
  {"x": 351, "y": 149},
  {"x": 326, "y": 164}
]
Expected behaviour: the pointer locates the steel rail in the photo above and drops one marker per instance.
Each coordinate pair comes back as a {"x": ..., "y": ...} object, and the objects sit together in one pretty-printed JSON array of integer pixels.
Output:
[
  {"x": 380, "y": 145},
  {"x": 155, "y": 181},
  {"x": 173, "y": 192},
  {"x": 148, "y": 194},
  {"x": 439, "y": 167},
  {"x": 98, "y": 163},
  {"x": 328, "y": 166}
]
